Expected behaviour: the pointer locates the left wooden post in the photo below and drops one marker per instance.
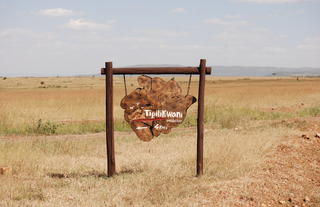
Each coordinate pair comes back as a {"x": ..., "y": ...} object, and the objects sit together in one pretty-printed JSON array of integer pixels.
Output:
[
  {"x": 200, "y": 120},
  {"x": 109, "y": 120}
]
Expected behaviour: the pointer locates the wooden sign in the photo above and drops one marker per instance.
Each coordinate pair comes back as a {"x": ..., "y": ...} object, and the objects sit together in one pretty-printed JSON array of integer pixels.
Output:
[{"x": 155, "y": 107}]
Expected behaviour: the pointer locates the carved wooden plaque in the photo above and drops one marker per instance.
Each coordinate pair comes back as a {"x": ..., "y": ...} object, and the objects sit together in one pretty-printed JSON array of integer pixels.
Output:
[{"x": 155, "y": 107}]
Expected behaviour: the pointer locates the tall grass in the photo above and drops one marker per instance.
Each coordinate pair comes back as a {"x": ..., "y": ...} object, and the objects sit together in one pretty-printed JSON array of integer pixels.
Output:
[
  {"x": 215, "y": 116},
  {"x": 41, "y": 127},
  {"x": 311, "y": 111},
  {"x": 70, "y": 171},
  {"x": 27, "y": 109}
]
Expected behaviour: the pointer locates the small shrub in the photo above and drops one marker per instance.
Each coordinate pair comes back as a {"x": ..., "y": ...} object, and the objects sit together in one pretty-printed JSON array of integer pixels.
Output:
[{"x": 46, "y": 128}]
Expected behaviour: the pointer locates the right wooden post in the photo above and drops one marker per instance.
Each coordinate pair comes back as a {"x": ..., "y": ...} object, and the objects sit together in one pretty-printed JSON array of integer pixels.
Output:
[
  {"x": 109, "y": 120},
  {"x": 200, "y": 120}
]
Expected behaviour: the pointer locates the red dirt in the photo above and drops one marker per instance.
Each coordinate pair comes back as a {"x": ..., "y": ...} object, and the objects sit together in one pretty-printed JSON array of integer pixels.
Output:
[{"x": 290, "y": 176}]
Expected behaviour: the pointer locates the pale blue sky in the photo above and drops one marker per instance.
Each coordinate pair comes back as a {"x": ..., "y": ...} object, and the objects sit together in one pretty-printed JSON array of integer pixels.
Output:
[{"x": 76, "y": 37}]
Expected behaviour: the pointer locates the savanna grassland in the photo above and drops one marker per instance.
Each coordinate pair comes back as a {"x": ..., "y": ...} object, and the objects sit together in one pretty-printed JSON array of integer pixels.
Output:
[{"x": 52, "y": 140}]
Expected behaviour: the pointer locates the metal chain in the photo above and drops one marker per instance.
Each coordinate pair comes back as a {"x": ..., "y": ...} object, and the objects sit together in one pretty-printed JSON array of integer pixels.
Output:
[
  {"x": 125, "y": 84},
  {"x": 189, "y": 84}
]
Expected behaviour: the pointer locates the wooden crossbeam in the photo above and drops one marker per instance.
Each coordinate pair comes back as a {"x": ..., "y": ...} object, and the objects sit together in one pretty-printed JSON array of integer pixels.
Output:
[{"x": 157, "y": 70}]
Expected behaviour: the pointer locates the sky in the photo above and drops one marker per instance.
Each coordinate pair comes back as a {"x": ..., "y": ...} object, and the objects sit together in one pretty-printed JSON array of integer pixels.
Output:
[{"x": 67, "y": 37}]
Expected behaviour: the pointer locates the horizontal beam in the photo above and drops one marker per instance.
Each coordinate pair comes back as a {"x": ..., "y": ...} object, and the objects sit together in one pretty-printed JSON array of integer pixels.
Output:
[{"x": 157, "y": 70}]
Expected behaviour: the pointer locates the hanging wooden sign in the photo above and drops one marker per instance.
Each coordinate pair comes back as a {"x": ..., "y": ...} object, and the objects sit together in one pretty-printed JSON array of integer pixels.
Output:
[{"x": 155, "y": 107}]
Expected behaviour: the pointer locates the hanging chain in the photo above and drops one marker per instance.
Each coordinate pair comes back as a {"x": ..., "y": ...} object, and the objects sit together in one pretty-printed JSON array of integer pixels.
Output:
[
  {"x": 125, "y": 84},
  {"x": 189, "y": 84}
]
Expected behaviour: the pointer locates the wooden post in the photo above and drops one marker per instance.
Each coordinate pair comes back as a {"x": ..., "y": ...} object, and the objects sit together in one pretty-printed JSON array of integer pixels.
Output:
[
  {"x": 109, "y": 71},
  {"x": 200, "y": 120},
  {"x": 109, "y": 120}
]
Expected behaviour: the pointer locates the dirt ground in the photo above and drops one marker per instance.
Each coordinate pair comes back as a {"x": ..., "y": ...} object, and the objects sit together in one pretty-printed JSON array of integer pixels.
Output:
[{"x": 290, "y": 176}]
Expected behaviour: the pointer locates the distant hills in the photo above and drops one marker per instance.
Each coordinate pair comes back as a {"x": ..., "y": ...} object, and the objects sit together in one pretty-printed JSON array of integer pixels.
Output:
[
  {"x": 252, "y": 70},
  {"x": 218, "y": 70},
  {"x": 264, "y": 71}
]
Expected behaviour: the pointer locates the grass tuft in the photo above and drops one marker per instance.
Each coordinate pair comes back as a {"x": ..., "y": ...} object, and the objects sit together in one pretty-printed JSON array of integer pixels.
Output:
[{"x": 311, "y": 111}]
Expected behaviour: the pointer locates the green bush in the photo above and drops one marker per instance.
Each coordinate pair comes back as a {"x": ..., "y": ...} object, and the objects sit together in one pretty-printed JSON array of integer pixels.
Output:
[{"x": 46, "y": 128}]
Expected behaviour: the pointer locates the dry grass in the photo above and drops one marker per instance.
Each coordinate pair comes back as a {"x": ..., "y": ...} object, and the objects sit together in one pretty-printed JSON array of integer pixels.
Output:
[
  {"x": 76, "y": 105},
  {"x": 159, "y": 173},
  {"x": 68, "y": 170}
]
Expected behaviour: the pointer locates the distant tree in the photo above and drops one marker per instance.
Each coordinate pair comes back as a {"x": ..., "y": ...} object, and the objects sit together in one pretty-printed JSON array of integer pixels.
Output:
[{"x": 274, "y": 74}]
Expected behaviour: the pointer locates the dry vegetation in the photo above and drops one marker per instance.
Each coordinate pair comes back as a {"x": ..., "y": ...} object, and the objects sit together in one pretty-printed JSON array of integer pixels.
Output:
[
  {"x": 245, "y": 120},
  {"x": 75, "y": 105}
]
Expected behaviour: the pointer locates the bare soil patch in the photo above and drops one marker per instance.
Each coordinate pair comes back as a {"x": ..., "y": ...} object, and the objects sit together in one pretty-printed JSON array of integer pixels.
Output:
[{"x": 290, "y": 176}]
